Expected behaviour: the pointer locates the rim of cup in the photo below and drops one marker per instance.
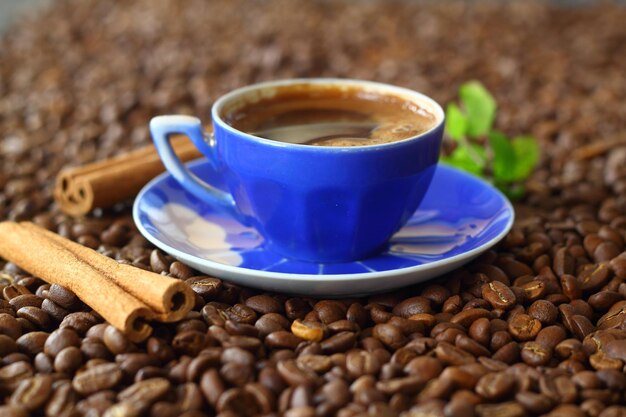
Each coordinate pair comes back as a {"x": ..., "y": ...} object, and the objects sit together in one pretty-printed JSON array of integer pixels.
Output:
[{"x": 268, "y": 89}]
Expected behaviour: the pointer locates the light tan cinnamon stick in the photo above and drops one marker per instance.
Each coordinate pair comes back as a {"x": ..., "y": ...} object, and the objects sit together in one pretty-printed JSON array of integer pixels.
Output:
[
  {"x": 170, "y": 299},
  {"x": 46, "y": 259},
  {"x": 599, "y": 147},
  {"x": 79, "y": 190}
]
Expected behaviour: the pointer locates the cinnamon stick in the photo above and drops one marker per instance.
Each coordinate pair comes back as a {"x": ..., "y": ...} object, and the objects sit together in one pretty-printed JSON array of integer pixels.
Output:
[
  {"x": 46, "y": 259},
  {"x": 170, "y": 299},
  {"x": 79, "y": 190},
  {"x": 599, "y": 147}
]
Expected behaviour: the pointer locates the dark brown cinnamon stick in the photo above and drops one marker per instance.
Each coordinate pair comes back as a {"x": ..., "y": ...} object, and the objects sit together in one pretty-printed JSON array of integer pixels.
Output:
[{"x": 79, "y": 190}]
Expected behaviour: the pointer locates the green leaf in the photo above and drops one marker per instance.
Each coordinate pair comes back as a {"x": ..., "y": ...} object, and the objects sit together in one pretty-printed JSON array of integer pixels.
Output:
[
  {"x": 456, "y": 122},
  {"x": 514, "y": 191},
  {"x": 471, "y": 160},
  {"x": 527, "y": 155},
  {"x": 504, "y": 158},
  {"x": 480, "y": 108}
]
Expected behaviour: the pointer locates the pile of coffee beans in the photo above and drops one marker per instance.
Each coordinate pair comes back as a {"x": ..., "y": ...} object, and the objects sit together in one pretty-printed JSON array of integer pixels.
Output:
[{"x": 536, "y": 326}]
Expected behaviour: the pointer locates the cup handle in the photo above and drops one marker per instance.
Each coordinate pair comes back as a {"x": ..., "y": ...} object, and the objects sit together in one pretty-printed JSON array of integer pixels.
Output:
[{"x": 161, "y": 127}]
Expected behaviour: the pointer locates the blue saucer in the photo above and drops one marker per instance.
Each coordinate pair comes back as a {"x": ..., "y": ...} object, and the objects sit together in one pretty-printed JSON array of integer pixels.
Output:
[{"x": 460, "y": 217}]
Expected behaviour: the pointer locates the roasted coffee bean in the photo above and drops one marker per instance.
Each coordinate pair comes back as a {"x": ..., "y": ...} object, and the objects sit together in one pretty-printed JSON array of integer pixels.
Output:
[
  {"x": 68, "y": 360},
  {"x": 131, "y": 363},
  {"x": 10, "y": 326},
  {"x": 389, "y": 335},
  {"x": 425, "y": 366},
  {"x": 59, "y": 340},
  {"x": 189, "y": 342},
  {"x": 238, "y": 356},
  {"x": 616, "y": 349},
  {"x": 404, "y": 385},
  {"x": 13, "y": 374},
  {"x": 509, "y": 353},
  {"x": 149, "y": 390},
  {"x": 206, "y": 287},
  {"x": 62, "y": 401},
  {"x": 271, "y": 322},
  {"x": 614, "y": 317},
  {"x": 594, "y": 276},
  {"x": 158, "y": 262},
  {"x": 412, "y": 306},
  {"x": 197, "y": 325},
  {"x": 56, "y": 312},
  {"x": 32, "y": 343},
  {"x": 36, "y": 316},
  {"x": 361, "y": 362},
  {"x": 14, "y": 290},
  {"x": 25, "y": 300},
  {"x": 7, "y": 345},
  {"x": 544, "y": 311},
  {"x": 606, "y": 251},
  {"x": 62, "y": 296},
  {"x": 581, "y": 326},
  {"x": 536, "y": 354},
  {"x": 564, "y": 263},
  {"x": 296, "y": 308},
  {"x": 523, "y": 327},
  {"x": 499, "y": 339},
  {"x": 452, "y": 305},
  {"x": 533, "y": 290},
  {"x": 318, "y": 363},
  {"x": 339, "y": 342},
  {"x": 499, "y": 295},
  {"x": 452, "y": 355},
  {"x": 180, "y": 270},
  {"x": 241, "y": 314},
  {"x": 600, "y": 361},
  {"x": 495, "y": 386},
  {"x": 264, "y": 304},
  {"x": 43, "y": 363},
  {"x": 6, "y": 308},
  {"x": 212, "y": 386},
  {"x": 251, "y": 344},
  {"x": 571, "y": 287},
  {"x": 466, "y": 317},
  {"x": 13, "y": 411},
  {"x": 33, "y": 393},
  {"x": 603, "y": 300},
  {"x": 311, "y": 331},
  {"x": 282, "y": 340},
  {"x": 240, "y": 329},
  {"x": 80, "y": 322},
  {"x": 26, "y": 325},
  {"x": 100, "y": 377},
  {"x": 480, "y": 330},
  {"x": 551, "y": 336},
  {"x": 237, "y": 401},
  {"x": 295, "y": 373},
  {"x": 533, "y": 402},
  {"x": 469, "y": 345},
  {"x": 349, "y": 326},
  {"x": 115, "y": 340},
  {"x": 505, "y": 409},
  {"x": 329, "y": 311}
]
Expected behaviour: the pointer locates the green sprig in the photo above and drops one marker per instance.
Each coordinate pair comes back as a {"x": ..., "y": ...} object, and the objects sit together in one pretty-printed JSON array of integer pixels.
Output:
[{"x": 483, "y": 151}]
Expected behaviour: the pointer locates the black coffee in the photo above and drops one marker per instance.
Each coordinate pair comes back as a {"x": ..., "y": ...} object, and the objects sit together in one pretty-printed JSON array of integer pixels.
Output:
[{"x": 327, "y": 115}]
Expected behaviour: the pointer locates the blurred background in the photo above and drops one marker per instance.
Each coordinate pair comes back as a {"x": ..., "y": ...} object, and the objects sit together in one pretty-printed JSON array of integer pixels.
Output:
[{"x": 84, "y": 77}]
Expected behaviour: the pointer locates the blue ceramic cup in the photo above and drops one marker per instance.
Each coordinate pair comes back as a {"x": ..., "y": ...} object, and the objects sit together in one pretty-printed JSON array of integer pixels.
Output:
[{"x": 312, "y": 203}]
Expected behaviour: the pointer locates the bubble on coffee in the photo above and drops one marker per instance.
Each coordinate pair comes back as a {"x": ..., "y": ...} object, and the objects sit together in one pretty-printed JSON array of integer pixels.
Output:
[{"x": 331, "y": 116}]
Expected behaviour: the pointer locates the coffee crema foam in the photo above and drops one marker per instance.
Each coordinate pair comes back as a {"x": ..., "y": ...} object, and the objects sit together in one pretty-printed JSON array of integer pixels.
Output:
[{"x": 328, "y": 115}]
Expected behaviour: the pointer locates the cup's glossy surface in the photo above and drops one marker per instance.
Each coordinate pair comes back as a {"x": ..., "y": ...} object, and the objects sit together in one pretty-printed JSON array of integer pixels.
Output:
[{"x": 322, "y": 204}]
